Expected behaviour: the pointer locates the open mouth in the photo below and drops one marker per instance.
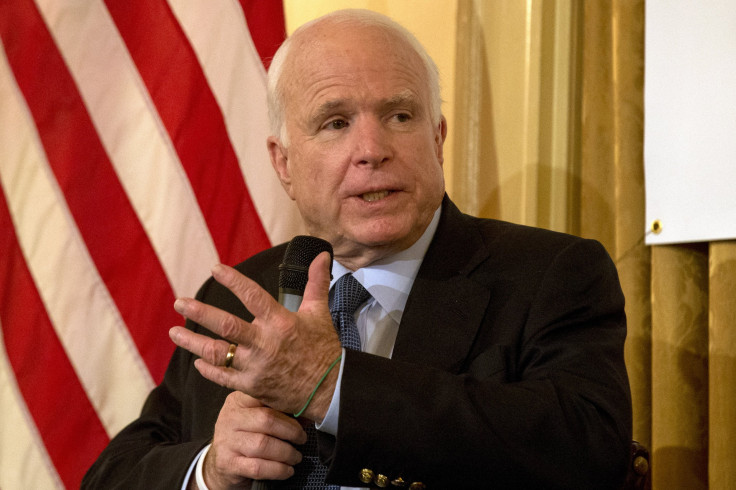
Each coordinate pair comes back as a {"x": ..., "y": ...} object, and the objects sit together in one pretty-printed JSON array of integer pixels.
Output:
[{"x": 375, "y": 196}]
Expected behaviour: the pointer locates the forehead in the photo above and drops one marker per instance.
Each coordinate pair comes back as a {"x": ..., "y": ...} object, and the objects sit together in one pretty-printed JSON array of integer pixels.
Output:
[{"x": 352, "y": 61}]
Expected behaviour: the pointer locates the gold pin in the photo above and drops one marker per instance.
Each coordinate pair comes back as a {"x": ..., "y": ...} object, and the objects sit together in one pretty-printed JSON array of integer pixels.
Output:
[{"x": 366, "y": 475}]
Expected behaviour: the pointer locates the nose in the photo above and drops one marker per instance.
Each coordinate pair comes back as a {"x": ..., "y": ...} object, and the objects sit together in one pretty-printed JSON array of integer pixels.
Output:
[{"x": 372, "y": 142}]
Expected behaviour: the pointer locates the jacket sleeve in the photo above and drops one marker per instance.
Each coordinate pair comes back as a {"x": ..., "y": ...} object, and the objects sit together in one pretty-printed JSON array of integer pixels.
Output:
[
  {"x": 542, "y": 401},
  {"x": 151, "y": 451},
  {"x": 157, "y": 449}
]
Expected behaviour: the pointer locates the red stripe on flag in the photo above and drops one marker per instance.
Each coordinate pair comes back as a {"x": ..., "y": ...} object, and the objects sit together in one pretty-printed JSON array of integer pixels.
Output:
[
  {"x": 266, "y": 25},
  {"x": 109, "y": 226},
  {"x": 170, "y": 70},
  {"x": 67, "y": 422}
]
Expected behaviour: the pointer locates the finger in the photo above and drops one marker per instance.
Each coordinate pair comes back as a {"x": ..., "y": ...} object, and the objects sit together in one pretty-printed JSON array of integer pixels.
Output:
[
  {"x": 262, "y": 446},
  {"x": 241, "y": 400},
  {"x": 249, "y": 414},
  {"x": 224, "y": 324},
  {"x": 318, "y": 284},
  {"x": 213, "y": 351},
  {"x": 253, "y": 296},
  {"x": 228, "y": 468},
  {"x": 222, "y": 376},
  {"x": 262, "y": 469},
  {"x": 277, "y": 424}
]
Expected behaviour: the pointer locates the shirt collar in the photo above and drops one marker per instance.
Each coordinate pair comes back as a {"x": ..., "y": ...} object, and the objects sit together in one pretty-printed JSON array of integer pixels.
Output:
[{"x": 390, "y": 279}]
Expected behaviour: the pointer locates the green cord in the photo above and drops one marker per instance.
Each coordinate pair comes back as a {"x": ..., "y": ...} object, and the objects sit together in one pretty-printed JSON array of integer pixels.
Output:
[{"x": 319, "y": 383}]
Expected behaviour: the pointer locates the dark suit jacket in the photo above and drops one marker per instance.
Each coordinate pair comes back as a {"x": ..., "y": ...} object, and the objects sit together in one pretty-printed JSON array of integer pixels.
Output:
[{"x": 507, "y": 372}]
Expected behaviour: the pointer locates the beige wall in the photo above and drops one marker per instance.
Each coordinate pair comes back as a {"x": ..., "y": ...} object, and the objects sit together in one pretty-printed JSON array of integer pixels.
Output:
[{"x": 506, "y": 84}]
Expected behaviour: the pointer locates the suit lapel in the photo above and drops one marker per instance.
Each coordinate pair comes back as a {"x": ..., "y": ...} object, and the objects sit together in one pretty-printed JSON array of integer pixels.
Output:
[{"x": 445, "y": 307}]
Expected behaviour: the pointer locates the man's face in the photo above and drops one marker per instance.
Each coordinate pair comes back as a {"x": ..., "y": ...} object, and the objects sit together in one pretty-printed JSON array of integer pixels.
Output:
[{"x": 364, "y": 160}]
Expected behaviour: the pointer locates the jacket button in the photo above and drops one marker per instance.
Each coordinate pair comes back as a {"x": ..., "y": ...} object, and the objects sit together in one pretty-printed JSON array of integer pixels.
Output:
[
  {"x": 417, "y": 485},
  {"x": 366, "y": 475},
  {"x": 399, "y": 482},
  {"x": 381, "y": 481}
]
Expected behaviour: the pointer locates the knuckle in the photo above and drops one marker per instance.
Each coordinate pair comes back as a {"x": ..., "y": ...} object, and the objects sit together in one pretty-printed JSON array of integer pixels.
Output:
[
  {"x": 249, "y": 294},
  {"x": 242, "y": 402},
  {"x": 229, "y": 326},
  {"x": 254, "y": 468},
  {"x": 231, "y": 405},
  {"x": 261, "y": 444},
  {"x": 209, "y": 350},
  {"x": 265, "y": 420}
]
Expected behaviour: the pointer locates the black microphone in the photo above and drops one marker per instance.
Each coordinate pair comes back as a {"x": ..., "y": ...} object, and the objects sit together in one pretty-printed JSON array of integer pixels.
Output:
[{"x": 293, "y": 271}]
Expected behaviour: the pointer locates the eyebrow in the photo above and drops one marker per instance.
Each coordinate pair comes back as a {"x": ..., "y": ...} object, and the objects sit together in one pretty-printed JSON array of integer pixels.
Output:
[
  {"x": 327, "y": 108},
  {"x": 406, "y": 98}
]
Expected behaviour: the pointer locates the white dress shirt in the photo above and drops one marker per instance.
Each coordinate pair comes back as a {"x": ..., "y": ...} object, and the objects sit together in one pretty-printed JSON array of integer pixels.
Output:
[{"x": 389, "y": 282}]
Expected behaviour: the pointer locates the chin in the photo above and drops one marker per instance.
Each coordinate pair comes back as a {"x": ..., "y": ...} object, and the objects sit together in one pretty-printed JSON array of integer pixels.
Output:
[{"x": 398, "y": 237}]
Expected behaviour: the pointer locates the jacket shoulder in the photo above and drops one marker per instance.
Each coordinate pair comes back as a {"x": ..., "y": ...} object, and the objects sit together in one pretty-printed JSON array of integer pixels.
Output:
[{"x": 463, "y": 243}]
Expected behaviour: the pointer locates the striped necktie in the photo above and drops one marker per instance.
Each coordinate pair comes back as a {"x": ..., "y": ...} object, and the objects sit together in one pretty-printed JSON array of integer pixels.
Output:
[{"x": 348, "y": 295}]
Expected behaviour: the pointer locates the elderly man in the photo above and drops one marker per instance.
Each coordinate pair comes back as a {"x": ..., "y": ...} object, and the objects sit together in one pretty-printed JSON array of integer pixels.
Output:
[{"x": 490, "y": 354}]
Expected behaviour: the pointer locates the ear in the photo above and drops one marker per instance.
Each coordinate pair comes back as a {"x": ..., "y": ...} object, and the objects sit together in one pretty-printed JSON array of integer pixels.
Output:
[
  {"x": 280, "y": 161},
  {"x": 440, "y": 134}
]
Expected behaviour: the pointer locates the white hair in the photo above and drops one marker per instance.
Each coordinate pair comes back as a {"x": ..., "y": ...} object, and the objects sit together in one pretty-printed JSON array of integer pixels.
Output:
[{"x": 355, "y": 17}]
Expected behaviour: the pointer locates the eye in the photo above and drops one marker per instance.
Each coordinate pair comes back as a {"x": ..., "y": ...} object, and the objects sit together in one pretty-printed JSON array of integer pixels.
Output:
[
  {"x": 336, "y": 124},
  {"x": 402, "y": 117}
]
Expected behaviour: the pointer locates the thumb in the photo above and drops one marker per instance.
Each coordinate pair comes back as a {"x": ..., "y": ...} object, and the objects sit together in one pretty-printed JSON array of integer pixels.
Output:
[
  {"x": 241, "y": 400},
  {"x": 318, "y": 284}
]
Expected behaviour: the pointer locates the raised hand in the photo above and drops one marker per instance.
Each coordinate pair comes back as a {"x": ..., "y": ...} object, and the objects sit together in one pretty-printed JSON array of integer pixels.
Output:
[{"x": 280, "y": 355}]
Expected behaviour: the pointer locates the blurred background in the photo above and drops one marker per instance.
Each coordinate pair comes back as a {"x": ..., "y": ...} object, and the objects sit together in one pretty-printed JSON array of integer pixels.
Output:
[{"x": 132, "y": 158}]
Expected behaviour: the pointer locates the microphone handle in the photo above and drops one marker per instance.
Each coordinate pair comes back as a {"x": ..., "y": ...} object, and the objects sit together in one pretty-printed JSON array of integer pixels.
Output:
[{"x": 290, "y": 301}]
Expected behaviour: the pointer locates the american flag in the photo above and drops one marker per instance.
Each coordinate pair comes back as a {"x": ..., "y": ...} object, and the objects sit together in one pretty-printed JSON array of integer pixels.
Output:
[{"x": 132, "y": 159}]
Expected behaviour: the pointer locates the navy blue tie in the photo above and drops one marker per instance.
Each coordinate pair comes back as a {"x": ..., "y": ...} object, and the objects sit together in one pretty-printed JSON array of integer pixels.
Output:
[{"x": 348, "y": 295}]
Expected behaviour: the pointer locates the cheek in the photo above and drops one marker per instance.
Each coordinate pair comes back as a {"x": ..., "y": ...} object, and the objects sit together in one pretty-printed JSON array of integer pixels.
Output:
[
  {"x": 313, "y": 182},
  {"x": 427, "y": 167}
]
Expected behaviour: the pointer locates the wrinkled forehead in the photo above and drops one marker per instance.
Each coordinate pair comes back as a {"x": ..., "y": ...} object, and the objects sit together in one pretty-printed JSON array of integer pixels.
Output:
[{"x": 327, "y": 46}]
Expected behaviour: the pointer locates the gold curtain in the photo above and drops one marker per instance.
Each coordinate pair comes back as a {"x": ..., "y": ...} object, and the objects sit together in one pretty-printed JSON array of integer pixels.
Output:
[
  {"x": 499, "y": 61},
  {"x": 681, "y": 349}
]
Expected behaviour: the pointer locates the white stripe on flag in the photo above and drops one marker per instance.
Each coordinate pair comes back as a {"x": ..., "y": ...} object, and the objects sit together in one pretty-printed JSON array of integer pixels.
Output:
[
  {"x": 135, "y": 140},
  {"x": 231, "y": 63},
  {"x": 81, "y": 310},
  {"x": 83, "y": 313}
]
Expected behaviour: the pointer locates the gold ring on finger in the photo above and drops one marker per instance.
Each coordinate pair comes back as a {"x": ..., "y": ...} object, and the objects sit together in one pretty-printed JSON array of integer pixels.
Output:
[{"x": 230, "y": 355}]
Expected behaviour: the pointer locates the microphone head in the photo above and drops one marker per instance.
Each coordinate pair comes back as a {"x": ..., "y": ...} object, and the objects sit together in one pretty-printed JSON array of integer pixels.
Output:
[{"x": 301, "y": 251}]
